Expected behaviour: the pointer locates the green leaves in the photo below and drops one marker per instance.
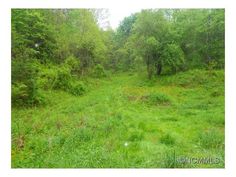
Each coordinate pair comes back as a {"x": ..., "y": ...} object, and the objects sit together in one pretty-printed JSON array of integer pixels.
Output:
[
  {"x": 173, "y": 56},
  {"x": 174, "y": 40},
  {"x": 31, "y": 33}
]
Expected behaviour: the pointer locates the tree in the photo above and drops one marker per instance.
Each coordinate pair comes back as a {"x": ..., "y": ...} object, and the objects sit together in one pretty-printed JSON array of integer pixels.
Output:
[
  {"x": 201, "y": 36},
  {"x": 211, "y": 36},
  {"x": 123, "y": 48},
  {"x": 153, "y": 37},
  {"x": 31, "y": 37}
]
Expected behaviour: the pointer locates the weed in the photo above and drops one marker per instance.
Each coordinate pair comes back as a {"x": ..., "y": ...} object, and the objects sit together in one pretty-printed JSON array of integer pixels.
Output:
[
  {"x": 158, "y": 98},
  {"x": 169, "y": 159},
  {"x": 167, "y": 139},
  {"x": 211, "y": 139}
]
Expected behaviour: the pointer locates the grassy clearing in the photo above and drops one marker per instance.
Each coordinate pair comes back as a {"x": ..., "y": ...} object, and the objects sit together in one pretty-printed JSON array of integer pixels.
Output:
[{"x": 125, "y": 121}]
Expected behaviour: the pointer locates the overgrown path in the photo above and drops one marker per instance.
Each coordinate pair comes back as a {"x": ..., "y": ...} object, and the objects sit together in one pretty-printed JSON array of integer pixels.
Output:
[{"x": 125, "y": 121}]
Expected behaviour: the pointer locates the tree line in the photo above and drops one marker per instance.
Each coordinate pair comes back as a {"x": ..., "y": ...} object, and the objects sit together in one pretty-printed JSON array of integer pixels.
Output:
[{"x": 55, "y": 48}]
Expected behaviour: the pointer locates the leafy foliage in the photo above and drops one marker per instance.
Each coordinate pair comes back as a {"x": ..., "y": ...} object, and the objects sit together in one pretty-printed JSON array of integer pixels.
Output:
[
  {"x": 173, "y": 57},
  {"x": 99, "y": 71},
  {"x": 163, "y": 41},
  {"x": 25, "y": 88}
]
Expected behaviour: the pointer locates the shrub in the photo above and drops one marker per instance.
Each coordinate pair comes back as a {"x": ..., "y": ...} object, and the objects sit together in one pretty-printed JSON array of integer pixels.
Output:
[
  {"x": 212, "y": 65},
  {"x": 19, "y": 93},
  {"x": 48, "y": 77},
  {"x": 72, "y": 63},
  {"x": 60, "y": 78},
  {"x": 29, "y": 78},
  {"x": 99, "y": 71},
  {"x": 26, "y": 95},
  {"x": 25, "y": 88},
  {"x": 64, "y": 78},
  {"x": 76, "y": 88}
]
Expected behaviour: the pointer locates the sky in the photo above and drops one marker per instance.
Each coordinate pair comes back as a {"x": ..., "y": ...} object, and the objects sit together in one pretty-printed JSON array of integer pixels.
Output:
[{"x": 117, "y": 15}]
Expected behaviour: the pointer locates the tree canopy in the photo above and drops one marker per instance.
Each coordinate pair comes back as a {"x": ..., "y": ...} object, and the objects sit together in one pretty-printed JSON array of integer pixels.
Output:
[{"x": 54, "y": 45}]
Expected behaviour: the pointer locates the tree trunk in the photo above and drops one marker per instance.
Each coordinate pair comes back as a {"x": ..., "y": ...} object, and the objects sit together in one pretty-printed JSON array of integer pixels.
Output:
[
  {"x": 159, "y": 68},
  {"x": 149, "y": 69}
]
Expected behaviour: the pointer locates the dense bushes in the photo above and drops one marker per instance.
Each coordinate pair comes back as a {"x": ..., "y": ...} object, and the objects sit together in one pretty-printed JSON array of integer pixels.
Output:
[
  {"x": 52, "y": 49},
  {"x": 173, "y": 57},
  {"x": 76, "y": 87},
  {"x": 73, "y": 64},
  {"x": 63, "y": 78},
  {"x": 48, "y": 77},
  {"x": 26, "y": 95},
  {"x": 25, "y": 85},
  {"x": 31, "y": 78},
  {"x": 99, "y": 71}
]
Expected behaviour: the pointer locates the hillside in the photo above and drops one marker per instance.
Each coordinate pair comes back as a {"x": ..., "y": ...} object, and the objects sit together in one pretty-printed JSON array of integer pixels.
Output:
[{"x": 125, "y": 120}]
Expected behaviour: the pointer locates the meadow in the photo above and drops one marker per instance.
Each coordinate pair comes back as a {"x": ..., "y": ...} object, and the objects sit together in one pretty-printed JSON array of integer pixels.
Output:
[{"x": 126, "y": 121}]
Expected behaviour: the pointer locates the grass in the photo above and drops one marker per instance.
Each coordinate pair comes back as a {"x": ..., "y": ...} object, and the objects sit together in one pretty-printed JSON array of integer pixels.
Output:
[
  {"x": 125, "y": 121},
  {"x": 211, "y": 139},
  {"x": 167, "y": 139}
]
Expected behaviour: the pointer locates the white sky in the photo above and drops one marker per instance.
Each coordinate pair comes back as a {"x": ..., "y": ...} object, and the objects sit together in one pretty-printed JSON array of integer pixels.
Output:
[{"x": 117, "y": 15}]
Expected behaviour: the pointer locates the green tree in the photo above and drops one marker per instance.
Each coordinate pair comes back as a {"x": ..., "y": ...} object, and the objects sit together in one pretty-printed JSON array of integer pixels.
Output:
[
  {"x": 31, "y": 36},
  {"x": 153, "y": 37}
]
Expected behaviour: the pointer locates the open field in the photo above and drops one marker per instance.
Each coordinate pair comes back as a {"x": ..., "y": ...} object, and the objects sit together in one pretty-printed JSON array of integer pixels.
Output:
[{"x": 126, "y": 120}]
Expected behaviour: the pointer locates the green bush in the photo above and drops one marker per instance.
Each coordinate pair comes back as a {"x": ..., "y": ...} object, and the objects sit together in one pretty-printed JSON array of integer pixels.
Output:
[
  {"x": 25, "y": 87},
  {"x": 52, "y": 77},
  {"x": 64, "y": 78},
  {"x": 65, "y": 81},
  {"x": 73, "y": 64},
  {"x": 26, "y": 95},
  {"x": 48, "y": 77},
  {"x": 19, "y": 93},
  {"x": 30, "y": 78},
  {"x": 99, "y": 71},
  {"x": 76, "y": 88}
]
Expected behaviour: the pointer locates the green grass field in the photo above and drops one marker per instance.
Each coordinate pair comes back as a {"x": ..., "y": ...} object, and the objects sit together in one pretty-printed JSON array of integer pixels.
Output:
[{"x": 125, "y": 121}]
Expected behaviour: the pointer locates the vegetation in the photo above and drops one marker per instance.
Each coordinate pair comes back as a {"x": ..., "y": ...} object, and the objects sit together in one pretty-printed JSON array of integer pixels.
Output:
[{"x": 143, "y": 95}]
